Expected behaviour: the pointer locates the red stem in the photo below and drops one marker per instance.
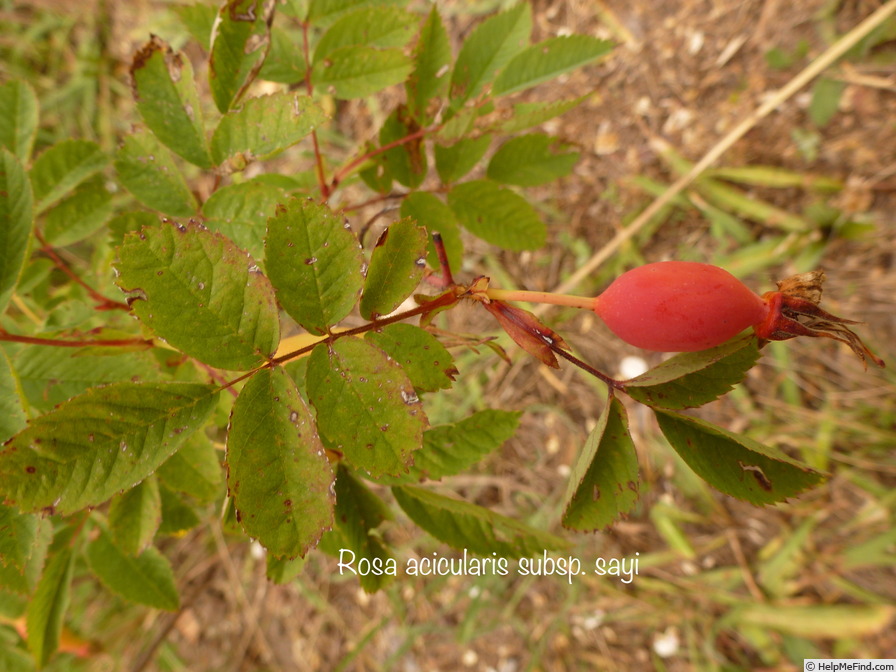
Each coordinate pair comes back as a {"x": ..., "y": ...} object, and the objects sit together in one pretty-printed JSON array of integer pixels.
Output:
[
  {"x": 103, "y": 303},
  {"x": 59, "y": 343},
  {"x": 325, "y": 189}
]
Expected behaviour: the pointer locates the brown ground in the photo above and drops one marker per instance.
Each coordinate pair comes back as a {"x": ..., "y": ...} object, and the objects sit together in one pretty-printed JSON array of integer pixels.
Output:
[{"x": 685, "y": 72}]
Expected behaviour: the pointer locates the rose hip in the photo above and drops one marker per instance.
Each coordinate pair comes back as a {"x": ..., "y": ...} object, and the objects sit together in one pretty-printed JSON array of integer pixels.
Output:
[{"x": 678, "y": 306}]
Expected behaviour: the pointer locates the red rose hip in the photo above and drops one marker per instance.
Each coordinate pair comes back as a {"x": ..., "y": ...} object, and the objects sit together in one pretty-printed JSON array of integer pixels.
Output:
[{"x": 678, "y": 306}]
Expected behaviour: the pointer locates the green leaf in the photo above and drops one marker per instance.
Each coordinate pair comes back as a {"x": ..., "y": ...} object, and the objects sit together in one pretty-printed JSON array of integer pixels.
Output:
[
  {"x": 463, "y": 525},
  {"x": 455, "y": 161},
  {"x": 134, "y": 516},
  {"x": 147, "y": 170},
  {"x": 146, "y": 579},
  {"x": 201, "y": 293},
  {"x": 28, "y": 544},
  {"x": 168, "y": 101},
  {"x": 489, "y": 47},
  {"x": 277, "y": 472},
  {"x": 61, "y": 168},
  {"x": 530, "y": 160},
  {"x": 692, "y": 379},
  {"x": 396, "y": 268},
  {"x": 283, "y": 570},
  {"x": 431, "y": 212},
  {"x": 825, "y": 102},
  {"x": 406, "y": 162},
  {"x": 549, "y": 59},
  {"x": 20, "y": 535},
  {"x": 604, "y": 482},
  {"x": 263, "y": 126},
  {"x": 314, "y": 263},
  {"x": 99, "y": 443},
  {"x": 367, "y": 409},
  {"x": 16, "y": 220},
  {"x": 497, "y": 215},
  {"x": 368, "y": 26},
  {"x": 194, "y": 469},
  {"x": 78, "y": 215},
  {"x": 427, "y": 363},
  {"x": 241, "y": 211},
  {"x": 527, "y": 115},
  {"x": 359, "y": 71},
  {"x": 359, "y": 512},
  {"x": 432, "y": 58},
  {"x": 48, "y": 604},
  {"x": 18, "y": 118},
  {"x": 240, "y": 40},
  {"x": 51, "y": 376},
  {"x": 452, "y": 449},
  {"x": 734, "y": 464}
]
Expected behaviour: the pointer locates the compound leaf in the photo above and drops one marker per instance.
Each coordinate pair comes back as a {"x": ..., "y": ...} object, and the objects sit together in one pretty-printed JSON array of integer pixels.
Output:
[
  {"x": 497, "y": 215},
  {"x": 99, "y": 443},
  {"x": 314, "y": 263},
  {"x": 263, "y": 126},
  {"x": 146, "y": 579},
  {"x": 61, "y": 168},
  {"x": 604, "y": 482},
  {"x": 463, "y": 525},
  {"x": 396, "y": 268},
  {"x": 167, "y": 100},
  {"x": 201, "y": 293},
  {"x": 530, "y": 160},
  {"x": 16, "y": 220},
  {"x": 240, "y": 41},
  {"x": 18, "y": 118},
  {"x": 367, "y": 408},
  {"x": 692, "y": 379},
  {"x": 277, "y": 472},
  {"x": 734, "y": 464},
  {"x": 489, "y": 48},
  {"x": 549, "y": 59},
  {"x": 359, "y": 71},
  {"x": 146, "y": 168}
]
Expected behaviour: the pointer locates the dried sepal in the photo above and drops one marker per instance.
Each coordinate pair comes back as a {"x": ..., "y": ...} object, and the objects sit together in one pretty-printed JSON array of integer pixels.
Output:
[{"x": 793, "y": 311}]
